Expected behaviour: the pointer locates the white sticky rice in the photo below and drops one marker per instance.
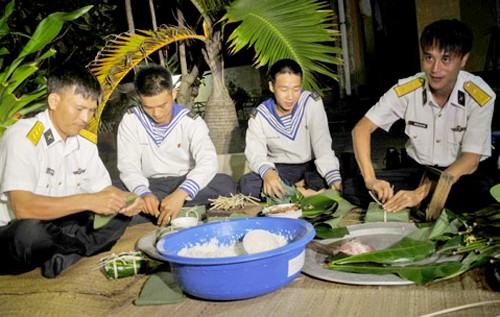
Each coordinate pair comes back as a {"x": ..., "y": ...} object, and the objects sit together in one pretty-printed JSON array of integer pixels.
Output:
[{"x": 253, "y": 242}]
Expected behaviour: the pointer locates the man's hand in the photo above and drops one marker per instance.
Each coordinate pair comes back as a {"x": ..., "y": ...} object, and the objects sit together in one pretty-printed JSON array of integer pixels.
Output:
[
  {"x": 337, "y": 186},
  {"x": 151, "y": 205},
  {"x": 170, "y": 206},
  {"x": 106, "y": 202},
  {"x": 133, "y": 208},
  {"x": 382, "y": 189},
  {"x": 404, "y": 199},
  {"x": 272, "y": 184}
]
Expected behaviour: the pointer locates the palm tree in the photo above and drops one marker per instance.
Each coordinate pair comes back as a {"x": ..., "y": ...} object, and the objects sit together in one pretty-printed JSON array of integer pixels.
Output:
[{"x": 299, "y": 29}]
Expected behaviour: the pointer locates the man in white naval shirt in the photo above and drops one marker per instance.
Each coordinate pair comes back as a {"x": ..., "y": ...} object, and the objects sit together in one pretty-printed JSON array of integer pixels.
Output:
[
  {"x": 165, "y": 154},
  {"x": 448, "y": 114},
  {"x": 53, "y": 181},
  {"x": 288, "y": 139}
]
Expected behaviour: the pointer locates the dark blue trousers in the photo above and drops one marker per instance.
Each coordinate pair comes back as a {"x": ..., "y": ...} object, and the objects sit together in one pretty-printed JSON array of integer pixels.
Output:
[
  {"x": 220, "y": 185},
  {"x": 26, "y": 244}
]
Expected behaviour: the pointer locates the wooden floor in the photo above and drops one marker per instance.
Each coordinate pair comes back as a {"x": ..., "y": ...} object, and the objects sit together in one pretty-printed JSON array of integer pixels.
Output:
[{"x": 84, "y": 291}]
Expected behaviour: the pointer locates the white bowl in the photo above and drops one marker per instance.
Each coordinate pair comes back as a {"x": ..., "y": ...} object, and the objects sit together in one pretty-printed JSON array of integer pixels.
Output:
[{"x": 271, "y": 211}]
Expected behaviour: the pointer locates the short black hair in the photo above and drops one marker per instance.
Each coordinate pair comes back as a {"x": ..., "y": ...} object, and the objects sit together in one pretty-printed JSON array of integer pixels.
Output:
[
  {"x": 448, "y": 35},
  {"x": 284, "y": 66},
  {"x": 153, "y": 79},
  {"x": 67, "y": 76}
]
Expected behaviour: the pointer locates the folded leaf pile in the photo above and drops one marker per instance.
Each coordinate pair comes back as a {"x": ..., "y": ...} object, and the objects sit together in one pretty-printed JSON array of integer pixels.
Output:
[{"x": 474, "y": 236}]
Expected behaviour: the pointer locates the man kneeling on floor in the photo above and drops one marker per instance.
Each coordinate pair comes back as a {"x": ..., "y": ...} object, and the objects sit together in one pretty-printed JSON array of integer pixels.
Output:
[
  {"x": 448, "y": 114},
  {"x": 52, "y": 180},
  {"x": 165, "y": 154}
]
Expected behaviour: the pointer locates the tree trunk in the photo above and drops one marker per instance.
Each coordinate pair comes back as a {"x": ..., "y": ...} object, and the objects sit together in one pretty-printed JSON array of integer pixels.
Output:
[
  {"x": 130, "y": 17},
  {"x": 185, "y": 94},
  {"x": 220, "y": 112},
  {"x": 155, "y": 27}
]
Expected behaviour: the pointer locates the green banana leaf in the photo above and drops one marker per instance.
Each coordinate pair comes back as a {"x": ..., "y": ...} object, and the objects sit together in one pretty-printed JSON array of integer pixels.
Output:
[
  {"x": 4, "y": 27},
  {"x": 44, "y": 33},
  {"x": 19, "y": 75},
  {"x": 23, "y": 72},
  {"x": 445, "y": 226},
  {"x": 324, "y": 231},
  {"x": 315, "y": 204},
  {"x": 474, "y": 235},
  {"x": 10, "y": 105},
  {"x": 421, "y": 274},
  {"x": 375, "y": 213},
  {"x": 471, "y": 261},
  {"x": 405, "y": 251},
  {"x": 13, "y": 101},
  {"x": 292, "y": 195},
  {"x": 102, "y": 220},
  {"x": 495, "y": 192}
]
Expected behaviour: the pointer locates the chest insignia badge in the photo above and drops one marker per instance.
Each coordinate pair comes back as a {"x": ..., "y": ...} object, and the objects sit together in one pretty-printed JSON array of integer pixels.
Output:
[{"x": 79, "y": 171}]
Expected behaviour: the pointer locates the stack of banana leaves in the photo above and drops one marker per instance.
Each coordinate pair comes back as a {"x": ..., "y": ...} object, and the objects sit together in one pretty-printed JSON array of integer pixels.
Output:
[{"x": 462, "y": 242}]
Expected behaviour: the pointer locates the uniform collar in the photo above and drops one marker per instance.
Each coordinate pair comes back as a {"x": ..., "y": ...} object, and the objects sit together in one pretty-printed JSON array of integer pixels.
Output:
[
  {"x": 457, "y": 97},
  {"x": 270, "y": 104},
  {"x": 176, "y": 110}
]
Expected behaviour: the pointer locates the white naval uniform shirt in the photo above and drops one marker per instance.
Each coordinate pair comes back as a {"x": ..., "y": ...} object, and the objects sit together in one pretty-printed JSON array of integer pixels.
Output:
[
  {"x": 182, "y": 147},
  {"x": 438, "y": 136},
  {"x": 269, "y": 141},
  {"x": 52, "y": 167}
]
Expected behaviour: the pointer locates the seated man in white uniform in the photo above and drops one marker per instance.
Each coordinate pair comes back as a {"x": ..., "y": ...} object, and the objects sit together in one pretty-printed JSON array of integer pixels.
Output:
[
  {"x": 288, "y": 139},
  {"x": 53, "y": 181},
  {"x": 165, "y": 154},
  {"x": 448, "y": 114}
]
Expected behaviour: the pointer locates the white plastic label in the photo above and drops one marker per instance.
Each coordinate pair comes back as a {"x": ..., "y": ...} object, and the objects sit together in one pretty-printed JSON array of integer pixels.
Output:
[{"x": 296, "y": 264}]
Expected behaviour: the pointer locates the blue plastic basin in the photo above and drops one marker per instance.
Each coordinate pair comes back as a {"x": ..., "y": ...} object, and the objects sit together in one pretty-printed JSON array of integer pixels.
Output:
[{"x": 243, "y": 276}]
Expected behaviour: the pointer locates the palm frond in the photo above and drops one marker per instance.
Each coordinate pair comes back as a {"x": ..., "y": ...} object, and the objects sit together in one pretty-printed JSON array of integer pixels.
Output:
[
  {"x": 302, "y": 30},
  {"x": 124, "y": 52},
  {"x": 211, "y": 8}
]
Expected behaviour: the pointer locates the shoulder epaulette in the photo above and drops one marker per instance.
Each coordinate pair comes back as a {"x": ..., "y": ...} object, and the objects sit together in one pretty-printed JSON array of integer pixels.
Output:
[
  {"x": 253, "y": 113},
  {"x": 315, "y": 95},
  {"x": 479, "y": 95},
  {"x": 193, "y": 115},
  {"x": 88, "y": 135},
  {"x": 408, "y": 87},
  {"x": 35, "y": 133}
]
